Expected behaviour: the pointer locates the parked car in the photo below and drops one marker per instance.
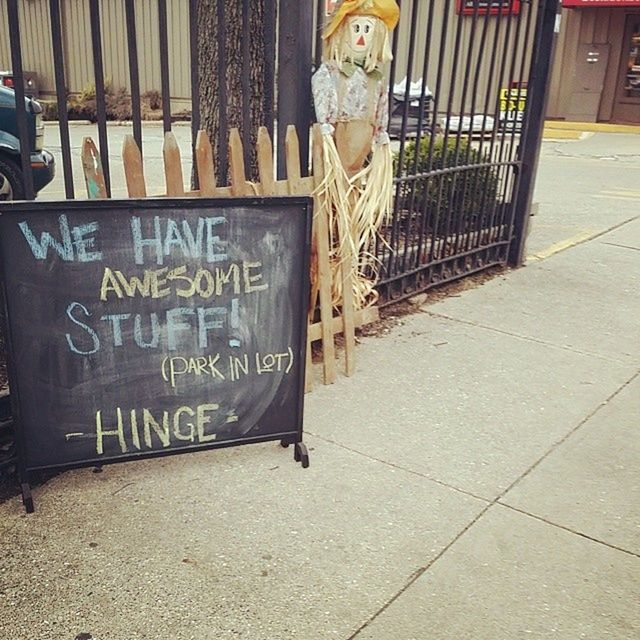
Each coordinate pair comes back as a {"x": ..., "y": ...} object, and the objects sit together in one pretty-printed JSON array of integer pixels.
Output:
[
  {"x": 42, "y": 162},
  {"x": 7, "y": 79}
]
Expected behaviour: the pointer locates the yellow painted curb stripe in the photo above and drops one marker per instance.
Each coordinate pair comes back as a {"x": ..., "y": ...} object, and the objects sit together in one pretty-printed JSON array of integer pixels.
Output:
[
  {"x": 602, "y": 127},
  {"x": 564, "y": 244},
  {"x": 621, "y": 192},
  {"x": 604, "y": 196},
  {"x": 561, "y": 134}
]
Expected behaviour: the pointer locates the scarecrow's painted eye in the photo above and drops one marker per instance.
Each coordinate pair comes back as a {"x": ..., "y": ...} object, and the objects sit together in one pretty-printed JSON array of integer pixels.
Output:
[
  {"x": 356, "y": 27},
  {"x": 367, "y": 28}
]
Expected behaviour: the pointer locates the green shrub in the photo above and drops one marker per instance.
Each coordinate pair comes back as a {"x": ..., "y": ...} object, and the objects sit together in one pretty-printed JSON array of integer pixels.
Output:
[
  {"x": 49, "y": 109},
  {"x": 84, "y": 106},
  {"x": 119, "y": 105},
  {"x": 462, "y": 196},
  {"x": 152, "y": 99},
  {"x": 151, "y": 105}
]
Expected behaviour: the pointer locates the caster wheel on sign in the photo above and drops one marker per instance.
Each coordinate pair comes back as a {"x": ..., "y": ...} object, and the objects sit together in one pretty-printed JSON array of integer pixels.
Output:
[{"x": 301, "y": 455}]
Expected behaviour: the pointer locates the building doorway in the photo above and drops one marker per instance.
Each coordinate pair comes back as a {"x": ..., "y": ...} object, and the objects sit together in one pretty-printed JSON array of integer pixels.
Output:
[{"x": 626, "y": 107}]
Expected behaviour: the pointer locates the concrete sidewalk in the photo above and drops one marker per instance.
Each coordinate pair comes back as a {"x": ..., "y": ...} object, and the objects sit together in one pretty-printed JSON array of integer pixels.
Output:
[{"x": 477, "y": 479}]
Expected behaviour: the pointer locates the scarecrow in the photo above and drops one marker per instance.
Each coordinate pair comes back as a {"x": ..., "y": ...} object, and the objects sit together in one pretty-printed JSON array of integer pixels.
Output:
[{"x": 351, "y": 102}]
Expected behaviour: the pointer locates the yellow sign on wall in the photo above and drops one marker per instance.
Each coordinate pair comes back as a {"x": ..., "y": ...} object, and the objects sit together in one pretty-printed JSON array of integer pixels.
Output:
[{"x": 513, "y": 103}]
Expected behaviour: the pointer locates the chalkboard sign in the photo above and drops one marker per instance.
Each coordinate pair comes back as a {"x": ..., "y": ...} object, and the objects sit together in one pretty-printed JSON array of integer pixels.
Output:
[{"x": 139, "y": 328}]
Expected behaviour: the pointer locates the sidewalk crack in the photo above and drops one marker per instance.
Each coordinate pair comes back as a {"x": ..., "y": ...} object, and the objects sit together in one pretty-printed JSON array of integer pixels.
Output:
[
  {"x": 478, "y": 325},
  {"x": 568, "y": 529},
  {"x": 399, "y": 468},
  {"x": 621, "y": 246},
  {"x": 416, "y": 575},
  {"x": 562, "y": 440}
]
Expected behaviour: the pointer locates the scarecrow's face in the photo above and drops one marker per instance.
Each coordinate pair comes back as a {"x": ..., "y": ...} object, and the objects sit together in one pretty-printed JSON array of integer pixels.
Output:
[{"x": 361, "y": 30}]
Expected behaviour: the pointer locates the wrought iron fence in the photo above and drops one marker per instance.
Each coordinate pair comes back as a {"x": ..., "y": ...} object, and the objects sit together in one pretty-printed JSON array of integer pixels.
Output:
[
  {"x": 467, "y": 90},
  {"x": 467, "y": 116},
  {"x": 466, "y": 120},
  {"x": 286, "y": 41}
]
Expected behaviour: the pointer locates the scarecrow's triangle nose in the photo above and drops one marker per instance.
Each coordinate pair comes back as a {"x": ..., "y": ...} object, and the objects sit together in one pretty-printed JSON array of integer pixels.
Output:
[{"x": 360, "y": 40}]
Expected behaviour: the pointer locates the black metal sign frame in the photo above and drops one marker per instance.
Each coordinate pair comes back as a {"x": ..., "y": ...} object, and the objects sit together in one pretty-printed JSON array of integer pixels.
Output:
[{"x": 292, "y": 436}]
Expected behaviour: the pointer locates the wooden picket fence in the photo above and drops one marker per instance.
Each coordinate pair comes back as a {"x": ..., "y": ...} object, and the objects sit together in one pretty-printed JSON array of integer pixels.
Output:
[{"x": 343, "y": 321}]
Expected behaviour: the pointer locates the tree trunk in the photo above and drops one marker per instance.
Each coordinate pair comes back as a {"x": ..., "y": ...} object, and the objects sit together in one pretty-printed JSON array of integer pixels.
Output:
[{"x": 218, "y": 63}]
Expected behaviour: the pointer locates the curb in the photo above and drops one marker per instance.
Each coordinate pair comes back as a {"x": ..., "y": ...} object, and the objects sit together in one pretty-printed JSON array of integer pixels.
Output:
[
  {"x": 595, "y": 127},
  {"x": 117, "y": 123},
  {"x": 563, "y": 134}
]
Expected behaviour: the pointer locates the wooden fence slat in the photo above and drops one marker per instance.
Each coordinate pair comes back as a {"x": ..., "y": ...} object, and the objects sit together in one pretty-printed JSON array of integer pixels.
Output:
[
  {"x": 324, "y": 265},
  {"x": 172, "y": 165},
  {"x": 348, "y": 310},
  {"x": 347, "y": 273},
  {"x": 282, "y": 187},
  {"x": 306, "y": 186},
  {"x": 308, "y": 364},
  {"x": 224, "y": 192},
  {"x": 292, "y": 156},
  {"x": 295, "y": 186},
  {"x": 133, "y": 168},
  {"x": 221, "y": 192},
  {"x": 362, "y": 317},
  {"x": 237, "y": 173},
  {"x": 92, "y": 169},
  {"x": 206, "y": 167},
  {"x": 265, "y": 162}
]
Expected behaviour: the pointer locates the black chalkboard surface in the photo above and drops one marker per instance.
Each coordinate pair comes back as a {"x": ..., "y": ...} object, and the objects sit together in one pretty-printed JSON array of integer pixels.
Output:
[{"x": 145, "y": 327}]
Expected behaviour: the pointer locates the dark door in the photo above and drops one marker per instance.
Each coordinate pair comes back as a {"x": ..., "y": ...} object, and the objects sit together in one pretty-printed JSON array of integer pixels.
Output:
[
  {"x": 588, "y": 81},
  {"x": 626, "y": 107}
]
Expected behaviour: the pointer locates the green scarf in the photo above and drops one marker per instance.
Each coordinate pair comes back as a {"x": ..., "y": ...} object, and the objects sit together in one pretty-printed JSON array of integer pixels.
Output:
[{"x": 349, "y": 68}]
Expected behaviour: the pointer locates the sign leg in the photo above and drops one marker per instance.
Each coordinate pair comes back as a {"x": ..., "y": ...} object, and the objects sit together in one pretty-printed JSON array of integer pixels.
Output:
[
  {"x": 301, "y": 455},
  {"x": 27, "y": 499}
]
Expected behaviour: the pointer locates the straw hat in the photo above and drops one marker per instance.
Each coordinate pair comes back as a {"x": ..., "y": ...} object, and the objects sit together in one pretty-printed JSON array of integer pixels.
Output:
[{"x": 387, "y": 10}]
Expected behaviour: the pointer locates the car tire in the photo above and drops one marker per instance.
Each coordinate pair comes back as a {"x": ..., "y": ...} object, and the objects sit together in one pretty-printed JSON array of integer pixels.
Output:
[{"x": 11, "y": 183}]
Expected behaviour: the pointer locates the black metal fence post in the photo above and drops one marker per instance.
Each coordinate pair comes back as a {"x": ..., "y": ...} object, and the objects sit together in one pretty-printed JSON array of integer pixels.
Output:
[
  {"x": 98, "y": 72},
  {"x": 18, "y": 85},
  {"x": 61, "y": 96},
  {"x": 134, "y": 75},
  {"x": 295, "y": 45},
  {"x": 537, "y": 99},
  {"x": 270, "y": 24},
  {"x": 195, "y": 87},
  {"x": 222, "y": 164},
  {"x": 164, "y": 64}
]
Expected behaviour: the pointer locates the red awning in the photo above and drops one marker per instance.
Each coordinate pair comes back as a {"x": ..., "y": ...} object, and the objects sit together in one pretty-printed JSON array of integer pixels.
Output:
[{"x": 601, "y": 3}]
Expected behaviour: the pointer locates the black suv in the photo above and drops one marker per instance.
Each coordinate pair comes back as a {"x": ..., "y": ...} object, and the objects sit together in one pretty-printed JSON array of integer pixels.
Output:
[{"x": 42, "y": 162}]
